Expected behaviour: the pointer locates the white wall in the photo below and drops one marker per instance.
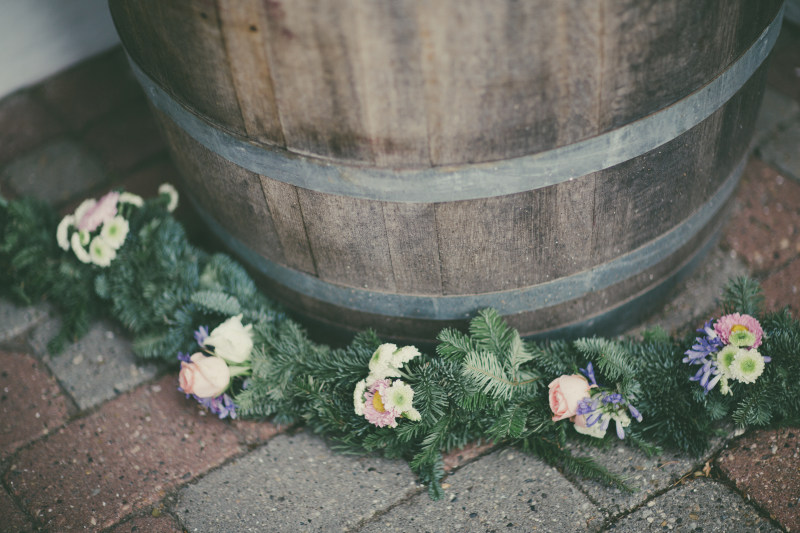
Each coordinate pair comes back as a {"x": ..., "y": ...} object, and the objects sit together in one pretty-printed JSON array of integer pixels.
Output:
[{"x": 41, "y": 37}]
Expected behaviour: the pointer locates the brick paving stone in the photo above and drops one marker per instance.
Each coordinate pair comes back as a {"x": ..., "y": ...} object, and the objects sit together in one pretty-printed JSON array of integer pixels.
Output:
[
  {"x": 782, "y": 288},
  {"x": 15, "y": 320},
  {"x": 31, "y": 404},
  {"x": 125, "y": 138},
  {"x": 124, "y": 457},
  {"x": 782, "y": 149},
  {"x": 699, "y": 505},
  {"x": 24, "y": 124},
  {"x": 54, "y": 172},
  {"x": 149, "y": 524},
  {"x": 12, "y": 518},
  {"x": 91, "y": 89},
  {"x": 765, "y": 465},
  {"x": 646, "y": 475},
  {"x": 97, "y": 367},
  {"x": 783, "y": 73},
  {"x": 765, "y": 227},
  {"x": 777, "y": 110},
  {"x": 294, "y": 483},
  {"x": 254, "y": 433},
  {"x": 504, "y": 491}
]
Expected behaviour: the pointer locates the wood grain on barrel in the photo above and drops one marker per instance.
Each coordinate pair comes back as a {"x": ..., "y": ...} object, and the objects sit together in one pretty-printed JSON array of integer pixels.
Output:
[
  {"x": 246, "y": 46},
  {"x": 233, "y": 194},
  {"x": 409, "y": 84},
  {"x": 437, "y": 83},
  {"x": 181, "y": 45}
]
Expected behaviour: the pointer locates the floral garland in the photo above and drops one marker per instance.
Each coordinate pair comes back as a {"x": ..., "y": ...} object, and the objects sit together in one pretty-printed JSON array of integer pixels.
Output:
[{"x": 241, "y": 357}]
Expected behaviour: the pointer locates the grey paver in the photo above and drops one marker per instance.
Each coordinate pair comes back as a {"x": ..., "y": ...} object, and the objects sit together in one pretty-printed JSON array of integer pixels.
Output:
[
  {"x": 54, "y": 172},
  {"x": 15, "y": 320},
  {"x": 504, "y": 491},
  {"x": 776, "y": 110},
  {"x": 782, "y": 149},
  {"x": 97, "y": 367},
  {"x": 646, "y": 475},
  {"x": 294, "y": 483},
  {"x": 700, "y": 505}
]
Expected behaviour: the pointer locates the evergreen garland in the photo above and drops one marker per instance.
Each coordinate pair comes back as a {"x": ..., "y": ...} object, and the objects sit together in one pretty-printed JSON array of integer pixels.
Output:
[{"x": 486, "y": 385}]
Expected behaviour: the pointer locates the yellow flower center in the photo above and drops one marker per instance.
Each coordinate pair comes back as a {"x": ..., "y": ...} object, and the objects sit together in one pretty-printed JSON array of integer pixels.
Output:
[
  {"x": 737, "y": 328},
  {"x": 377, "y": 402}
]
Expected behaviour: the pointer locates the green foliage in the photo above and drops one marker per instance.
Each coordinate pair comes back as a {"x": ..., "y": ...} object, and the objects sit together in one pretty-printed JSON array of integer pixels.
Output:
[
  {"x": 487, "y": 385},
  {"x": 742, "y": 295}
]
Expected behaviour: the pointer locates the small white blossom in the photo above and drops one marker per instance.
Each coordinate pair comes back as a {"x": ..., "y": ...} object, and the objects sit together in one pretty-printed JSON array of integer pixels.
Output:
[
  {"x": 231, "y": 340},
  {"x": 404, "y": 355},
  {"x": 100, "y": 252},
  {"x": 747, "y": 366},
  {"x": 399, "y": 396},
  {"x": 358, "y": 397},
  {"x": 413, "y": 415},
  {"x": 170, "y": 191},
  {"x": 62, "y": 233},
  {"x": 114, "y": 231},
  {"x": 78, "y": 250},
  {"x": 130, "y": 198}
]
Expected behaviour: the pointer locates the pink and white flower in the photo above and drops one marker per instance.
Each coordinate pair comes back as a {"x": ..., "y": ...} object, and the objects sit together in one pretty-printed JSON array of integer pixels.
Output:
[{"x": 743, "y": 331}]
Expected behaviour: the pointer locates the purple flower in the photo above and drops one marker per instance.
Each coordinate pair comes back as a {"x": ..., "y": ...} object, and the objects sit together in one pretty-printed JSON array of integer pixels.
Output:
[
  {"x": 635, "y": 413},
  {"x": 201, "y": 335},
  {"x": 589, "y": 373},
  {"x": 222, "y": 406},
  {"x": 185, "y": 357},
  {"x": 612, "y": 398}
]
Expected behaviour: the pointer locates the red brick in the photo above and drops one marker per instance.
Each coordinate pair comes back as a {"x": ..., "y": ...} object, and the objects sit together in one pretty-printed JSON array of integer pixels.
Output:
[
  {"x": 782, "y": 288},
  {"x": 126, "y": 137},
  {"x": 92, "y": 89},
  {"x": 24, "y": 124},
  {"x": 31, "y": 404},
  {"x": 149, "y": 524},
  {"x": 784, "y": 67},
  {"x": 12, "y": 518},
  {"x": 765, "y": 229},
  {"x": 461, "y": 456},
  {"x": 126, "y": 456},
  {"x": 765, "y": 465},
  {"x": 254, "y": 433}
]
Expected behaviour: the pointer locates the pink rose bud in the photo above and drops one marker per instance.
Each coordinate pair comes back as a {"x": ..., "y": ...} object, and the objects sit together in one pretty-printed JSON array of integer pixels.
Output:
[
  {"x": 565, "y": 394},
  {"x": 205, "y": 377},
  {"x": 105, "y": 209}
]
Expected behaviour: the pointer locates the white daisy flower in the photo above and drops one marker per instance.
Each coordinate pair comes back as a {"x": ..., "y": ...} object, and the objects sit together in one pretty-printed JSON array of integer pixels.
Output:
[
  {"x": 398, "y": 396},
  {"x": 130, "y": 198},
  {"x": 101, "y": 253},
  {"x": 170, "y": 191},
  {"x": 725, "y": 359},
  {"x": 747, "y": 366},
  {"x": 404, "y": 355},
  {"x": 62, "y": 233},
  {"x": 78, "y": 250},
  {"x": 114, "y": 232},
  {"x": 358, "y": 397}
]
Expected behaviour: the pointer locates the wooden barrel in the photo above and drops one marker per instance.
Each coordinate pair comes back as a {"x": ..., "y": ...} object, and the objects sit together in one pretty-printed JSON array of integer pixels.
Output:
[{"x": 402, "y": 164}]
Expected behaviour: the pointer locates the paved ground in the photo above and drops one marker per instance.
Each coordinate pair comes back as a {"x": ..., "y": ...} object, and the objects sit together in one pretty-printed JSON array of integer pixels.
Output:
[{"x": 92, "y": 439}]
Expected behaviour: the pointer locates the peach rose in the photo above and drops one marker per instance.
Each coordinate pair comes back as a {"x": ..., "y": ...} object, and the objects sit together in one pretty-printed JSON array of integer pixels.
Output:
[
  {"x": 205, "y": 377},
  {"x": 565, "y": 394}
]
